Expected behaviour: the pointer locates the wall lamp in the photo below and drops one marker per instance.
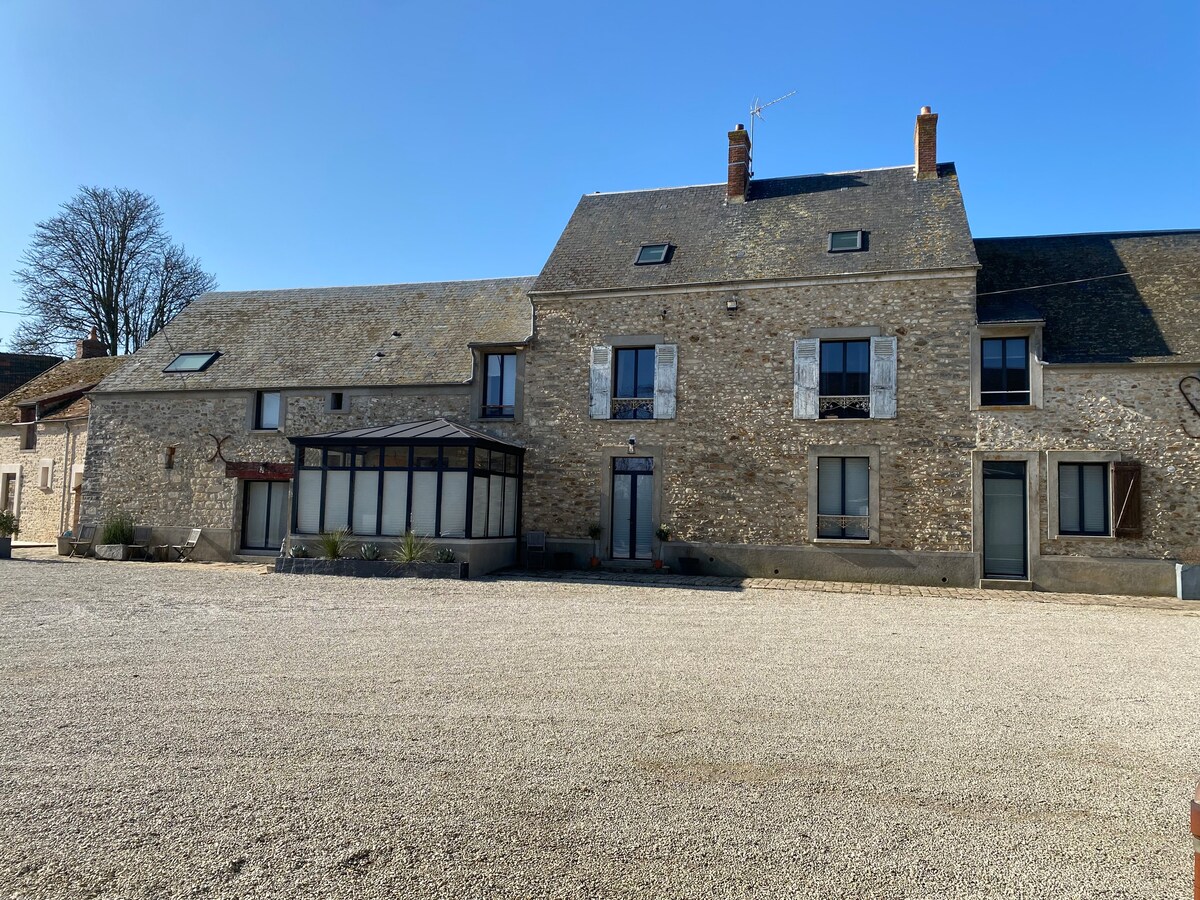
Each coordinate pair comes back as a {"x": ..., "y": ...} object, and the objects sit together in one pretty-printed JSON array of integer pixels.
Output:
[
  {"x": 731, "y": 305},
  {"x": 632, "y": 445}
]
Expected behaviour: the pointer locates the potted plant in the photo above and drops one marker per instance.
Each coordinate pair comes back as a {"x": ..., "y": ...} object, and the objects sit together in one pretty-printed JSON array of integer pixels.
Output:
[
  {"x": 594, "y": 532},
  {"x": 8, "y": 530},
  {"x": 663, "y": 533}
]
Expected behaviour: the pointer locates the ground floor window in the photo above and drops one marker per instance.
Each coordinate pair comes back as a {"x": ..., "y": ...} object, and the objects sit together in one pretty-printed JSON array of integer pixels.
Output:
[
  {"x": 843, "y": 491},
  {"x": 264, "y": 514},
  {"x": 1083, "y": 498},
  {"x": 444, "y": 490}
]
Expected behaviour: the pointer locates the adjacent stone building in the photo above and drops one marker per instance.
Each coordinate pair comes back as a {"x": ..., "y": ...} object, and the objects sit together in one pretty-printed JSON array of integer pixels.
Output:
[
  {"x": 823, "y": 376},
  {"x": 43, "y": 442}
]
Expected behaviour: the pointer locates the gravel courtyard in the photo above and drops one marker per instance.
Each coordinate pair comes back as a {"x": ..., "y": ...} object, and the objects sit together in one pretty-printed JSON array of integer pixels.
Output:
[{"x": 205, "y": 731}]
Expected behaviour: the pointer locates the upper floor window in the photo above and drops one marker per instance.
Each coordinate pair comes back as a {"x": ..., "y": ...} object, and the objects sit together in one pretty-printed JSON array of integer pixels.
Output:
[
  {"x": 500, "y": 387},
  {"x": 653, "y": 255},
  {"x": 28, "y": 432},
  {"x": 633, "y": 382},
  {"x": 1004, "y": 372},
  {"x": 267, "y": 410},
  {"x": 1083, "y": 498},
  {"x": 845, "y": 388}
]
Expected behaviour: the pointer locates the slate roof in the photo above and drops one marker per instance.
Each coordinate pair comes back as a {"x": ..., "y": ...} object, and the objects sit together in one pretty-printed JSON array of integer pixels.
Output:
[
  {"x": 1151, "y": 314},
  {"x": 429, "y": 431},
  {"x": 781, "y": 231},
  {"x": 18, "y": 368},
  {"x": 68, "y": 380},
  {"x": 329, "y": 337}
]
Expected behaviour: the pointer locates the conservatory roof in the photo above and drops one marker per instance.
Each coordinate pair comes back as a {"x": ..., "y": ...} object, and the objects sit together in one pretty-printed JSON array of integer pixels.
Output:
[{"x": 428, "y": 431}]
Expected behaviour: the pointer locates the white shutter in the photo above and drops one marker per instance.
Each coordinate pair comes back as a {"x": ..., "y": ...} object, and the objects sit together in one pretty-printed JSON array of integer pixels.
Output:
[
  {"x": 883, "y": 378},
  {"x": 600, "y": 393},
  {"x": 666, "y": 362},
  {"x": 806, "y": 368}
]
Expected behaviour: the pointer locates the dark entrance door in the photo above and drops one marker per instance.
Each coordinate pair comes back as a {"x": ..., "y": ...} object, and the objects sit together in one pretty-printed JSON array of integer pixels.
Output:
[
  {"x": 632, "y": 507},
  {"x": 264, "y": 514},
  {"x": 1005, "y": 537}
]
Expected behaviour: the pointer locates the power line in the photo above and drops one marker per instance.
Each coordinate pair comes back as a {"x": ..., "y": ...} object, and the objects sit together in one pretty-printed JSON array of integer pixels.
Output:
[{"x": 1034, "y": 287}]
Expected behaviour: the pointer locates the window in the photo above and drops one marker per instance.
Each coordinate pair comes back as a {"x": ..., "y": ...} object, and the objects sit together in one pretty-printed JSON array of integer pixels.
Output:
[
  {"x": 843, "y": 241},
  {"x": 8, "y": 491},
  {"x": 266, "y": 411},
  {"x": 192, "y": 362},
  {"x": 633, "y": 394},
  {"x": 46, "y": 474},
  {"x": 843, "y": 489},
  {"x": 1083, "y": 498},
  {"x": 500, "y": 386},
  {"x": 337, "y": 402},
  {"x": 845, "y": 387},
  {"x": 653, "y": 255},
  {"x": 1004, "y": 372}
]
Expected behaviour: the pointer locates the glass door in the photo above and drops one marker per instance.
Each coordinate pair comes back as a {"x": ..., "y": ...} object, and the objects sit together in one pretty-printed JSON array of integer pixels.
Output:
[
  {"x": 1005, "y": 541},
  {"x": 265, "y": 511},
  {"x": 632, "y": 507}
]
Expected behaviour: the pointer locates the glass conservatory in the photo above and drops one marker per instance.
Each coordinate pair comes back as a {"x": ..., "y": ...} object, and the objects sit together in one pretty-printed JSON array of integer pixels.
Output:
[{"x": 434, "y": 478}]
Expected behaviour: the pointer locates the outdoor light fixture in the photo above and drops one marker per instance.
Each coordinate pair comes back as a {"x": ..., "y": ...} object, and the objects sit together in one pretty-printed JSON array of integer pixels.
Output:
[
  {"x": 731, "y": 305},
  {"x": 632, "y": 444}
]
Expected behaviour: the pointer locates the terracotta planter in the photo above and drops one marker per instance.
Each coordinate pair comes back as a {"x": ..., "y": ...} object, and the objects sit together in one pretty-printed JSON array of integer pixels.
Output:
[
  {"x": 658, "y": 564},
  {"x": 595, "y": 562}
]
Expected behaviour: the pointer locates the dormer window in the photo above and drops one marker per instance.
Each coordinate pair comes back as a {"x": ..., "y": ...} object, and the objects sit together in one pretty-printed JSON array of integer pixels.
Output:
[
  {"x": 845, "y": 241},
  {"x": 192, "y": 362},
  {"x": 653, "y": 255}
]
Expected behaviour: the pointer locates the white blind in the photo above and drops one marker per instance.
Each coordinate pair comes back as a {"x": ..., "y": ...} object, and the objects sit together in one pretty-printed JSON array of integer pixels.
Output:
[
  {"x": 424, "y": 503},
  {"x": 510, "y": 507},
  {"x": 337, "y": 500},
  {"x": 308, "y": 501},
  {"x": 366, "y": 502},
  {"x": 454, "y": 504},
  {"x": 479, "y": 507},
  {"x": 395, "y": 502}
]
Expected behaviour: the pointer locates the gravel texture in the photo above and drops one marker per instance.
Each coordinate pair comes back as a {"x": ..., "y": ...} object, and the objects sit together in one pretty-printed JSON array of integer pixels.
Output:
[{"x": 205, "y": 731}]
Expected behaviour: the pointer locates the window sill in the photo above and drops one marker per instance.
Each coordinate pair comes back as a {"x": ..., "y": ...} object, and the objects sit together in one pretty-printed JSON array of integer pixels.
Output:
[
  {"x": 847, "y": 542},
  {"x": 1007, "y": 407},
  {"x": 1084, "y": 537},
  {"x": 266, "y": 431}
]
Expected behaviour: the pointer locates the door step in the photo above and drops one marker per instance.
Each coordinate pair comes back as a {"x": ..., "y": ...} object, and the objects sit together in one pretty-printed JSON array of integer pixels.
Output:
[{"x": 1004, "y": 584}]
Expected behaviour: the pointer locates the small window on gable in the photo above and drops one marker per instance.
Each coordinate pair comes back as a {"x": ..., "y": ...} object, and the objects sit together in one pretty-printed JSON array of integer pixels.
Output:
[
  {"x": 653, "y": 255},
  {"x": 842, "y": 241},
  {"x": 337, "y": 401},
  {"x": 266, "y": 410},
  {"x": 192, "y": 362}
]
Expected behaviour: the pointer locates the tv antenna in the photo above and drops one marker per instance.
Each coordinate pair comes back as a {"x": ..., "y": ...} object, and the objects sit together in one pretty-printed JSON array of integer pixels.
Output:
[{"x": 756, "y": 112}]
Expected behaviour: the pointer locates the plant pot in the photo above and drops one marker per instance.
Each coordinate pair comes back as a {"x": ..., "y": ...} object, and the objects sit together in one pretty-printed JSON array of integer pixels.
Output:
[
  {"x": 595, "y": 562},
  {"x": 111, "y": 551},
  {"x": 658, "y": 564},
  {"x": 5, "y": 548},
  {"x": 1187, "y": 581},
  {"x": 64, "y": 546}
]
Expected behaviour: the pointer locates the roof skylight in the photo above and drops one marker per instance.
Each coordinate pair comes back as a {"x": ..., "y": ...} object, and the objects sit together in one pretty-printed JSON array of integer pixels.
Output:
[
  {"x": 842, "y": 241},
  {"x": 653, "y": 255},
  {"x": 192, "y": 362}
]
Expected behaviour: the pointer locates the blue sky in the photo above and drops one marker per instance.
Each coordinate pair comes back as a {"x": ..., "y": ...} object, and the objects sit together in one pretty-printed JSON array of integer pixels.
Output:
[{"x": 321, "y": 143}]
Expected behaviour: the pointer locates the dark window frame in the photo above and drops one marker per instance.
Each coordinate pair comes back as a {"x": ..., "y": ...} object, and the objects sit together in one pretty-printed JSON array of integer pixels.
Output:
[
  {"x": 258, "y": 411},
  {"x": 825, "y": 388},
  {"x": 508, "y": 367},
  {"x": 1105, "y": 498},
  {"x": 1005, "y": 396},
  {"x": 213, "y": 356},
  {"x": 859, "y": 244},
  {"x": 665, "y": 249},
  {"x": 641, "y": 410},
  {"x": 842, "y": 535}
]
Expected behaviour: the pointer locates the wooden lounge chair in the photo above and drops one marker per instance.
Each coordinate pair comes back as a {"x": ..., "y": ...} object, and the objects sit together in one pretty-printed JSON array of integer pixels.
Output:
[
  {"x": 535, "y": 549},
  {"x": 183, "y": 552},
  {"x": 140, "y": 548},
  {"x": 82, "y": 544}
]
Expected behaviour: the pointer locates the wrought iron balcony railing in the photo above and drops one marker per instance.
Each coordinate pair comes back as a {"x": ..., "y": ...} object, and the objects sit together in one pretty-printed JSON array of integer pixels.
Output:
[{"x": 633, "y": 408}]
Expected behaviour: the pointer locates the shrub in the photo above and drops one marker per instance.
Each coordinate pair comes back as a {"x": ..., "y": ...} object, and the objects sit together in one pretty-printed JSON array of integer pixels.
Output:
[
  {"x": 334, "y": 544},
  {"x": 663, "y": 532},
  {"x": 117, "y": 528},
  {"x": 444, "y": 555},
  {"x": 300, "y": 551},
  {"x": 8, "y": 524},
  {"x": 370, "y": 551},
  {"x": 411, "y": 549}
]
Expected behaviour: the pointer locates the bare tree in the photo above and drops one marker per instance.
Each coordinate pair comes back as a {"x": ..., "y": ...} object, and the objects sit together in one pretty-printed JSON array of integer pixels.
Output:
[{"x": 104, "y": 262}]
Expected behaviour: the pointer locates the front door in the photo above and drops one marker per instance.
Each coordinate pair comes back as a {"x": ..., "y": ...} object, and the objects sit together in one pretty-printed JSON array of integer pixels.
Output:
[
  {"x": 264, "y": 515},
  {"x": 632, "y": 507},
  {"x": 1005, "y": 538}
]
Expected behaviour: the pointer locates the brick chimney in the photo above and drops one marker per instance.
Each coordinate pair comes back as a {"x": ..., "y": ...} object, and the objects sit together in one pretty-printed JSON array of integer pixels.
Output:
[
  {"x": 739, "y": 165},
  {"x": 925, "y": 144},
  {"x": 90, "y": 347}
]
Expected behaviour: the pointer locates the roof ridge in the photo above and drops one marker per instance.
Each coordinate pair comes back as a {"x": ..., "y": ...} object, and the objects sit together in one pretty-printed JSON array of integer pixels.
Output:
[{"x": 397, "y": 284}]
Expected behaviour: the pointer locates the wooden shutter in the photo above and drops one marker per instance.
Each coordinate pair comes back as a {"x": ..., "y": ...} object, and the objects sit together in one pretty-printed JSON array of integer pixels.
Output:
[
  {"x": 666, "y": 361},
  {"x": 883, "y": 378},
  {"x": 806, "y": 368},
  {"x": 1127, "y": 499},
  {"x": 600, "y": 392}
]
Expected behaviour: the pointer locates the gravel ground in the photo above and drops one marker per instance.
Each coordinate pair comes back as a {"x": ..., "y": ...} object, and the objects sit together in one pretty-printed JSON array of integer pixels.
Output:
[{"x": 197, "y": 731}]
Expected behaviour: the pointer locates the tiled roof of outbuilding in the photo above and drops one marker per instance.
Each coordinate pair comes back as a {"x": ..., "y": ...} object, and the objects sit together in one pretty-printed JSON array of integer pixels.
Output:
[
  {"x": 1150, "y": 314},
  {"x": 18, "y": 368},
  {"x": 67, "y": 379},
  {"x": 395, "y": 334},
  {"x": 781, "y": 231}
]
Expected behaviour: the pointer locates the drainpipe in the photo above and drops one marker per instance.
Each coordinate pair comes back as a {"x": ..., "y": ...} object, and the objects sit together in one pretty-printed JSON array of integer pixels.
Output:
[{"x": 64, "y": 481}]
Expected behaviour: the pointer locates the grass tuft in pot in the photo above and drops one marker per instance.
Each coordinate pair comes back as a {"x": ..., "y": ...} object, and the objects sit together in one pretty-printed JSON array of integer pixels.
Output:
[
  {"x": 411, "y": 549},
  {"x": 334, "y": 544},
  {"x": 117, "y": 528}
]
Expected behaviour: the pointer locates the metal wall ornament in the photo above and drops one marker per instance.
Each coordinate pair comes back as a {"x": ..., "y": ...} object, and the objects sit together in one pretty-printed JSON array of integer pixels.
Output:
[{"x": 1189, "y": 387}]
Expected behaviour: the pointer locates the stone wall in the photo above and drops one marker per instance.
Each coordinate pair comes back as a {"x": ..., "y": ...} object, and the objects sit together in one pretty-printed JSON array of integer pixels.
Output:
[
  {"x": 734, "y": 460},
  {"x": 44, "y": 513},
  {"x": 131, "y": 432}
]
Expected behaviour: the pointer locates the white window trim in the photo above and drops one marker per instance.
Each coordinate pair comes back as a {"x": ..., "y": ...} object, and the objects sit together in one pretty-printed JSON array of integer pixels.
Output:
[
  {"x": 871, "y": 452},
  {"x": 1031, "y": 330},
  {"x": 1053, "y": 458}
]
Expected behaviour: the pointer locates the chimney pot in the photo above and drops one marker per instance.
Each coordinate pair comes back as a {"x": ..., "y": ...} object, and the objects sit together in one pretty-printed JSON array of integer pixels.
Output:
[
  {"x": 739, "y": 166},
  {"x": 925, "y": 144},
  {"x": 90, "y": 347}
]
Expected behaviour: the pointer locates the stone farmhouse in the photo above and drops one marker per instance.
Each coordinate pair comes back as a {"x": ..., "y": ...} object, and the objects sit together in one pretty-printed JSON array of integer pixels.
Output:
[
  {"x": 44, "y": 438},
  {"x": 823, "y": 377}
]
